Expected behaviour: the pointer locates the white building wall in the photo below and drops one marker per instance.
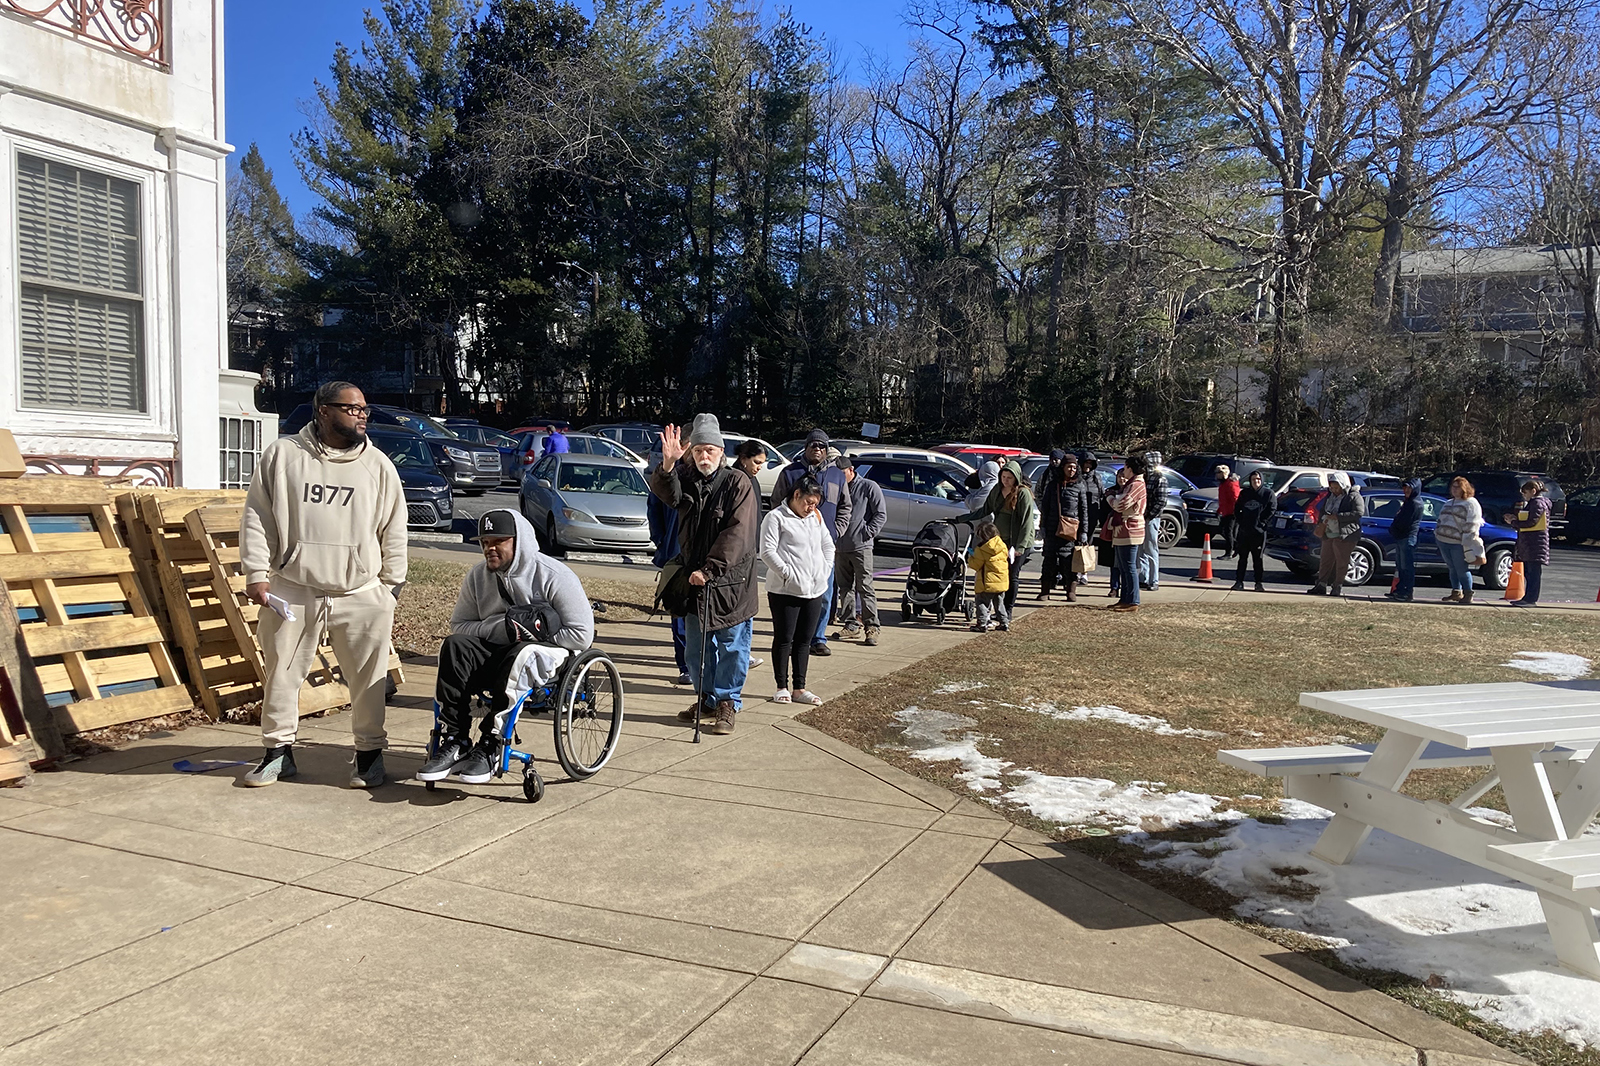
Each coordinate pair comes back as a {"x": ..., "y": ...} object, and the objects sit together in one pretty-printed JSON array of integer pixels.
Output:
[{"x": 84, "y": 104}]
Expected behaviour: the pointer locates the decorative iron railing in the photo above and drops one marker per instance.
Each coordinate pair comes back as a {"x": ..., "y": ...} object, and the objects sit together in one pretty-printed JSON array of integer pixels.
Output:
[{"x": 135, "y": 27}]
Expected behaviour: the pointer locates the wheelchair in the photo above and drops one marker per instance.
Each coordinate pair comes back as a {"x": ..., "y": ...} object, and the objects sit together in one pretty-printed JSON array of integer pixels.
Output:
[{"x": 585, "y": 702}]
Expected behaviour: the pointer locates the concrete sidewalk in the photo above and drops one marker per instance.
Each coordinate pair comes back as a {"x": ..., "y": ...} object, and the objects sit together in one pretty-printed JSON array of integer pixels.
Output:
[{"x": 770, "y": 897}]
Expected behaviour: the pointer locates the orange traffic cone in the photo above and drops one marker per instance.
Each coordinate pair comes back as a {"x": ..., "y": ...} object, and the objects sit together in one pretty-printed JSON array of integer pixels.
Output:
[
  {"x": 1205, "y": 563},
  {"x": 1517, "y": 585}
]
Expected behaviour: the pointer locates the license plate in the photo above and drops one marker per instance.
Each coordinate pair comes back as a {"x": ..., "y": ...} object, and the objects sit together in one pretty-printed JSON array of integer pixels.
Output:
[{"x": 1283, "y": 523}]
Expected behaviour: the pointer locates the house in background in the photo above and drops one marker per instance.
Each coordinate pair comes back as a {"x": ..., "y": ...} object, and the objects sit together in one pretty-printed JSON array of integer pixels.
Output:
[
  {"x": 113, "y": 287},
  {"x": 1520, "y": 306}
]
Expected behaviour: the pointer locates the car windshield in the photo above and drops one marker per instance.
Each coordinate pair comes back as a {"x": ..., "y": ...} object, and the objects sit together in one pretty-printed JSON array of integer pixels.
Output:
[
  {"x": 1176, "y": 482},
  {"x": 407, "y": 453},
  {"x": 1274, "y": 478},
  {"x": 424, "y": 425},
  {"x": 498, "y": 439},
  {"x": 592, "y": 477}
]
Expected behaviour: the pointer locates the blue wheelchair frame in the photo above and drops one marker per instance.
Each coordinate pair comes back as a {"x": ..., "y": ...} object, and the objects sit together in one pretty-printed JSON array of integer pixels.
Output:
[{"x": 543, "y": 698}]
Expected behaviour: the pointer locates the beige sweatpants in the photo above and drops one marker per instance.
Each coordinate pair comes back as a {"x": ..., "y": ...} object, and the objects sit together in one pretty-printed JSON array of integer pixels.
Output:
[{"x": 359, "y": 625}]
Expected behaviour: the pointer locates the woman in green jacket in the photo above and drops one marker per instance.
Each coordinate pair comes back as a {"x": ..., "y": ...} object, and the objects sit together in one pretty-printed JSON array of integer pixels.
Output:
[{"x": 1010, "y": 506}]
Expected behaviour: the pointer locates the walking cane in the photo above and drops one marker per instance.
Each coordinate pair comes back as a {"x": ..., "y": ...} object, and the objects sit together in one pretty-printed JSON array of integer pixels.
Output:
[{"x": 700, "y": 675}]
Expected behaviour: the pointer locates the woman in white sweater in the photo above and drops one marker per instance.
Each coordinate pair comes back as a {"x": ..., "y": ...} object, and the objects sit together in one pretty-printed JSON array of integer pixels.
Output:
[
  {"x": 798, "y": 550},
  {"x": 1457, "y": 536}
]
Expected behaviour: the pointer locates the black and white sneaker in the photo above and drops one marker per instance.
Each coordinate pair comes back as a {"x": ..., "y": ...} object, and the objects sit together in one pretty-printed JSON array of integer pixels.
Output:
[
  {"x": 451, "y": 750},
  {"x": 473, "y": 768}
]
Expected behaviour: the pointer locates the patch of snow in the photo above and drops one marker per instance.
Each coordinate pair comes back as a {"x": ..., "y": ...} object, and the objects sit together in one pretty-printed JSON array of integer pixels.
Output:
[
  {"x": 1401, "y": 906},
  {"x": 1136, "y": 807},
  {"x": 1145, "y": 722},
  {"x": 926, "y": 732},
  {"x": 1556, "y": 665},
  {"x": 952, "y": 687}
]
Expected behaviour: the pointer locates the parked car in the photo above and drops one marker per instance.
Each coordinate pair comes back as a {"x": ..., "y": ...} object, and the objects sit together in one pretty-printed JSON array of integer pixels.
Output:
[
  {"x": 914, "y": 494},
  {"x": 1499, "y": 491},
  {"x": 530, "y": 448},
  {"x": 914, "y": 455},
  {"x": 586, "y": 501},
  {"x": 1292, "y": 540},
  {"x": 428, "y": 502},
  {"x": 642, "y": 438},
  {"x": 1200, "y": 504},
  {"x": 510, "y": 456},
  {"x": 975, "y": 455},
  {"x": 543, "y": 423},
  {"x": 477, "y": 467},
  {"x": 1583, "y": 514},
  {"x": 1200, "y": 467}
]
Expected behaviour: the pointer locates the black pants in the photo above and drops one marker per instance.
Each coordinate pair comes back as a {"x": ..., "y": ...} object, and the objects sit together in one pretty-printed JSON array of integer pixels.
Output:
[
  {"x": 468, "y": 666},
  {"x": 1051, "y": 565},
  {"x": 1248, "y": 550},
  {"x": 1016, "y": 579},
  {"x": 794, "y": 620}
]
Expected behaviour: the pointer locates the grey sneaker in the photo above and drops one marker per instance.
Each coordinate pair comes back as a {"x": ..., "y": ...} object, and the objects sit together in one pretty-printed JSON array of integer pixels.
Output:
[
  {"x": 368, "y": 772},
  {"x": 473, "y": 768},
  {"x": 277, "y": 762}
]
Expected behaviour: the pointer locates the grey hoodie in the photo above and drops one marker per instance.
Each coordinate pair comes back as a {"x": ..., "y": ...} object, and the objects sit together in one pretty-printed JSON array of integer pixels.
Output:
[
  {"x": 988, "y": 478},
  {"x": 532, "y": 578}
]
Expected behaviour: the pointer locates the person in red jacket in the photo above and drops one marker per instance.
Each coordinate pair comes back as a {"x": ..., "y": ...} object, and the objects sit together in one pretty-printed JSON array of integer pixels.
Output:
[{"x": 1227, "y": 503}]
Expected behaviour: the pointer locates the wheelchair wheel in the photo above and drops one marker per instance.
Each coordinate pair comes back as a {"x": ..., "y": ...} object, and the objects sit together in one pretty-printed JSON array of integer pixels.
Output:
[
  {"x": 588, "y": 713},
  {"x": 532, "y": 784}
]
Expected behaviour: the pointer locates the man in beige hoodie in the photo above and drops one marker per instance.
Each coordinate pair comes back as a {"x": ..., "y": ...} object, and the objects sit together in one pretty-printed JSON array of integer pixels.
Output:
[{"x": 324, "y": 547}]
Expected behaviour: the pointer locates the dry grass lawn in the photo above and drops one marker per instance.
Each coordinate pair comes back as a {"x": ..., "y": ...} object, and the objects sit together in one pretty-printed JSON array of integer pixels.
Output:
[{"x": 1233, "y": 669}]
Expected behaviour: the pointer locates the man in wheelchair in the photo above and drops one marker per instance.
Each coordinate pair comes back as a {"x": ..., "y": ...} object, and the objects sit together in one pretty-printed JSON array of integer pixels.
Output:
[{"x": 514, "y": 596}]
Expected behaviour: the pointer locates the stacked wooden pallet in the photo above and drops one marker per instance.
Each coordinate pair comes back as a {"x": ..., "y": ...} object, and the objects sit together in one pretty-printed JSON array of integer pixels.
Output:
[
  {"x": 99, "y": 653},
  {"x": 194, "y": 541}
]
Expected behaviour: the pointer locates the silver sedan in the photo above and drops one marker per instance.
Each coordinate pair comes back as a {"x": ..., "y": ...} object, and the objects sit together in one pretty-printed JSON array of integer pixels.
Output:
[{"x": 586, "y": 501}]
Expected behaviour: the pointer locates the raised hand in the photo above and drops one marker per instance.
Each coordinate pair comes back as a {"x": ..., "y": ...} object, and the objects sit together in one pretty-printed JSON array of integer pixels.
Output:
[{"x": 671, "y": 447}]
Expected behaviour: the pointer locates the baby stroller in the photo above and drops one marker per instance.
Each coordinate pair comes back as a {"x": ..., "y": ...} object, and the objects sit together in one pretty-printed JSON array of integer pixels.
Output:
[{"x": 937, "y": 584}]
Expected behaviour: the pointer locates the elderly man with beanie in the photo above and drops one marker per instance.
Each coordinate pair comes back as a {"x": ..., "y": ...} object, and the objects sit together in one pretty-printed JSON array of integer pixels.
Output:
[
  {"x": 719, "y": 533},
  {"x": 323, "y": 543},
  {"x": 853, "y": 555},
  {"x": 814, "y": 462},
  {"x": 1338, "y": 528},
  {"x": 515, "y": 595},
  {"x": 1404, "y": 528}
]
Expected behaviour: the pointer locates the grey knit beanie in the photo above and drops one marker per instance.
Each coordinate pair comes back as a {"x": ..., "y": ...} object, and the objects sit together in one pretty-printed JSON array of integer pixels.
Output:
[{"x": 705, "y": 430}]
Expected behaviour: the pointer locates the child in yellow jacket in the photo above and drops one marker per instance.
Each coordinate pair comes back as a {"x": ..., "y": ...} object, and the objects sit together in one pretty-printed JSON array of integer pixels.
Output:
[{"x": 991, "y": 559}]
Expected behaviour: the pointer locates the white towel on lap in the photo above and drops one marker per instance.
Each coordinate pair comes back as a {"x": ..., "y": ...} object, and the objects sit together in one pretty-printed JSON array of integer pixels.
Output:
[{"x": 532, "y": 668}]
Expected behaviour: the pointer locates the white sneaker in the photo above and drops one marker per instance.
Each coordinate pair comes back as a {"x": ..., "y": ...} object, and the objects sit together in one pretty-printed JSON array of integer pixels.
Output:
[{"x": 755, "y": 661}]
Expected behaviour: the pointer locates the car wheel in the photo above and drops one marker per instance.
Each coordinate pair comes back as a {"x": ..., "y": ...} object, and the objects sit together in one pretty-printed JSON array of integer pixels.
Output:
[
  {"x": 1169, "y": 532},
  {"x": 552, "y": 546},
  {"x": 1362, "y": 566},
  {"x": 1496, "y": 572}
]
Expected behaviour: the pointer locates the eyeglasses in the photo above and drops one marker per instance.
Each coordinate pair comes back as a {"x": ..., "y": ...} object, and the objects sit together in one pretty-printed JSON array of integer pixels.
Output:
[{"x": 354, "y": 410}]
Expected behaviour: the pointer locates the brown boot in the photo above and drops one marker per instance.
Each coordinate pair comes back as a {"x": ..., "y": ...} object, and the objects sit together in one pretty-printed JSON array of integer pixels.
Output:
[
  {"x": 687, "y": 714},
  {"x": 724, "y": 723},
  {"x": 1466, "y": 597},
  {"x": 1072, "y": 591},
  {"x": 871, "y": 639}
]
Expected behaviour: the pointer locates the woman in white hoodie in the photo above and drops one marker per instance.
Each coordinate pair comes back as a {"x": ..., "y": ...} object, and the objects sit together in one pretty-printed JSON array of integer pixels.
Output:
[{"x": 798, "y": 550}]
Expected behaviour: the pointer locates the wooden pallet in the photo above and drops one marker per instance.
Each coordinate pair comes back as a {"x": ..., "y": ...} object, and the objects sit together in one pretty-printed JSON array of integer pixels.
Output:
[
  {"x": 216, "y": 530},
  {"x": 215, "y": 655},
  {"x": 28, "y": 729},
  {"x": 99, "y": 653}
]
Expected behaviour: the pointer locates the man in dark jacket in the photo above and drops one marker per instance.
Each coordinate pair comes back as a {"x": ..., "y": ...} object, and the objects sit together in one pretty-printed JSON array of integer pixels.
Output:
[
  {"x": 663, "y": 522},
  {"x": 835, "y": 507},
  {"x": 1047, "y": 494},
  {"x": 1403, "y": 528},
  {"x": 1252, "y": 514},
  {"x": 718, "y": 529},
  {"x": 1094, "y": 495},
  {"x": 852, "y": 558}
]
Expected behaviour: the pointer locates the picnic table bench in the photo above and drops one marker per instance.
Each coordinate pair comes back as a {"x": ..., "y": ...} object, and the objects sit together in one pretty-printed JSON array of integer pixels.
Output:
[{"x": 1535, "y": 738}]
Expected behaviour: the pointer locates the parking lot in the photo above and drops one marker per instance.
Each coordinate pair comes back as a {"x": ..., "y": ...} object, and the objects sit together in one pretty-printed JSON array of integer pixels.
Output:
[{"x": 1573, "y": 574}]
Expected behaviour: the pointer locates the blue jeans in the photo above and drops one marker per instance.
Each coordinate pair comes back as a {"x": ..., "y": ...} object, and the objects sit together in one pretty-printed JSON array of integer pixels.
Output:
[
  {"x": 1150, "y": 561},
  {"x": 1128, "y": 572},
  {"x": 728, "y": 652},
  {"x": 822, "y": 622},
  {"x": 1405, "y": 566},
  {"x": 1460, "y": 571}
]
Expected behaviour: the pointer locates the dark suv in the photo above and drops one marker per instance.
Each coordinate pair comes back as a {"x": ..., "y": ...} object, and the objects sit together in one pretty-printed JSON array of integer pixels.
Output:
[
  {"x": 476, "y": 467},
  {"x": 1201, "y": 468},
  {"x": 1500, "y": 491}
]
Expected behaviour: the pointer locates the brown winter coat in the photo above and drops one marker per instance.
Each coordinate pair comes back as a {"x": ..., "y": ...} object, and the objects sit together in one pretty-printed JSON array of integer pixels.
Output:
[{"x": 719, "y": 531}]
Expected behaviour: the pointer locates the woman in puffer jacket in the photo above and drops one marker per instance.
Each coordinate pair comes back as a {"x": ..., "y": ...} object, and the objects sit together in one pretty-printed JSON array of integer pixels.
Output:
[
  {"x": 1073, "y": 500},
  {"x": 798, "y": 549},
  {"x": 1531, "y": 520},
  {"x": 1458, "y": 540}
]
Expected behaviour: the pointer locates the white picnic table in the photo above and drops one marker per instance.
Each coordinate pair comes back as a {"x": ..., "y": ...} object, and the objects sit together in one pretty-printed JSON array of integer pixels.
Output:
[{"x": 1535, "y": 738}]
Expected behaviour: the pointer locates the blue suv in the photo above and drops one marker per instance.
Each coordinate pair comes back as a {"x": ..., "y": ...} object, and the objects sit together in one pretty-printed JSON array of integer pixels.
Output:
[{"x": 1293, "y": 541}]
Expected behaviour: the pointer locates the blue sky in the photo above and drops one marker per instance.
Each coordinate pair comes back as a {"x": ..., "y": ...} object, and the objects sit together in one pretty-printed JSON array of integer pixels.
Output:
[{"x": 275, "y": 51}]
